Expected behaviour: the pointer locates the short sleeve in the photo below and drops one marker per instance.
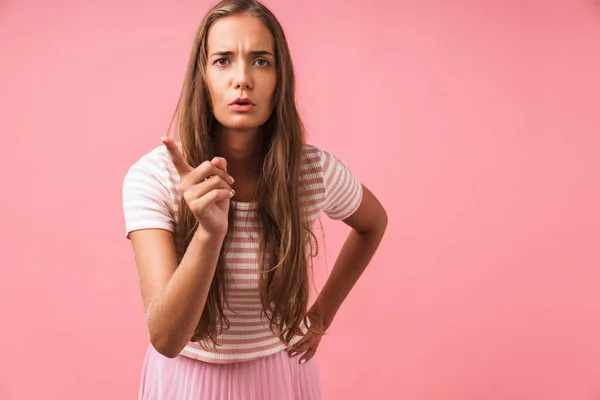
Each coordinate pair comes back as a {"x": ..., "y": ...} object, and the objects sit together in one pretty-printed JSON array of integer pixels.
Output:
[
  {"x": 147, "y": 201},
  {"x": 343, "y": 190}
]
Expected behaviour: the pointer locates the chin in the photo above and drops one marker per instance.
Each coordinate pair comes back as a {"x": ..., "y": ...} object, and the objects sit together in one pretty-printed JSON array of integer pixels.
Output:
[{"x": 243, "y": 123}]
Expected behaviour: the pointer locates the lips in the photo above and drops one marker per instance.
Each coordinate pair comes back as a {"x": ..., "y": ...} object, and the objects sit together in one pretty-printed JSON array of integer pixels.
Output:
[
  {"x": 242, "y": 101},
  {"x": 242, "y": 106}
]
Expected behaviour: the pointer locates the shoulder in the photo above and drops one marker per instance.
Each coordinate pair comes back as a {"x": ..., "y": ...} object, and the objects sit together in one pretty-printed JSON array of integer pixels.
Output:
[
  {"x": 311, "y": 162},
  {"x": 155, "y": 160},
  {"x": 148, "y": 192},
  {"x": 315, "y": 156},
  {"x": 155, "y": 165},
  {"x": 315, "y": 159},
  {"x": 153, "y": 169},
  {"x": 320, "y": 158},
  {"x": 311, "y": 154}
]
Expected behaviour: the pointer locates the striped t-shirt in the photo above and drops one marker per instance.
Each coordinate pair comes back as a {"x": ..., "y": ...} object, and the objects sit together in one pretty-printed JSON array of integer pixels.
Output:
[{"x": 151, "y": 200}]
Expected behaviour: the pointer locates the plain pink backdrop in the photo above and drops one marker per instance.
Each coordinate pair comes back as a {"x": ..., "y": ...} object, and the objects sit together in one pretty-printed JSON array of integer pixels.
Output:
[{"x": 476, "y": 123}]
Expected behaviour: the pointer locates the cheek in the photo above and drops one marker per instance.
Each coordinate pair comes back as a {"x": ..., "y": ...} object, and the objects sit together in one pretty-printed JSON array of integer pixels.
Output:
[
  {"x": 215, "y": 97},
  {"x": 211, "y": 97},
  {"x": 212, "y": 85},
  {"x": 272, "y": 89},
  {"x": 209, "y": 90}
]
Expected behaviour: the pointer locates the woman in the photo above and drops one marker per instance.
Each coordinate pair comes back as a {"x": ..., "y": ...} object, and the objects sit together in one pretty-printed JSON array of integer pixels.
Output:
[{"x": 221, "y": 224}]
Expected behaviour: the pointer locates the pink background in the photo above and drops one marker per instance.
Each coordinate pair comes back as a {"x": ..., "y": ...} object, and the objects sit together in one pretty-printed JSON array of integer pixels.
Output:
[{"x": 475, "y": 123}]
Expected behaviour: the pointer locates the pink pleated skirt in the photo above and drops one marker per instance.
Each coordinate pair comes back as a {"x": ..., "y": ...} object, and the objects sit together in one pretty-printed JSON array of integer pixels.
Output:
[{"x": 276, "y": 377}]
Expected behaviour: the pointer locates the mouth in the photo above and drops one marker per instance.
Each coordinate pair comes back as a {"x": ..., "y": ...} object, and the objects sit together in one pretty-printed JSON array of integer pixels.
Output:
[
  {"x": 242, "y": 101},
  {"x": 242, "y": 104}
]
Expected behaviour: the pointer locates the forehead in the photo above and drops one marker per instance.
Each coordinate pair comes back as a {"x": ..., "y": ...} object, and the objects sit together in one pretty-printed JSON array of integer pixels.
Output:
[{"x": 239, "y": 32}]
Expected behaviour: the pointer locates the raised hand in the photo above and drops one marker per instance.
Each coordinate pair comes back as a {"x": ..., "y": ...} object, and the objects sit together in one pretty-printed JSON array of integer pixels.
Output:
[{"x": 206, "y": 189}]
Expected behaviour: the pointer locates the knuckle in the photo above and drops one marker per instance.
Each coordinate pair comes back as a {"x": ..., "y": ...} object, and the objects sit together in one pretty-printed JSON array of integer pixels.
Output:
[
  {"x": 188, "y": 199},
  {"x": 195, "y": 209},
  {"x": 210, "y": 182},
  {"x": 213, "y": 195},
  {"x": 219, "y": 181},
  {"x": 196, "y": 206},
  {"x": 205, "y": 165}
]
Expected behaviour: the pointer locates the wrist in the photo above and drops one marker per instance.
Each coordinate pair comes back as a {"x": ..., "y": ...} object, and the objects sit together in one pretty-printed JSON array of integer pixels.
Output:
[
  {"x": 204, "y": 236},
  {"x": 320, "y": 313}
]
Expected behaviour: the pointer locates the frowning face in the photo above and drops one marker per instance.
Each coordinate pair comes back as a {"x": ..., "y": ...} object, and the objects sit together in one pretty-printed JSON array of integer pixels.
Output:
[{"x": 241, "y": 72}]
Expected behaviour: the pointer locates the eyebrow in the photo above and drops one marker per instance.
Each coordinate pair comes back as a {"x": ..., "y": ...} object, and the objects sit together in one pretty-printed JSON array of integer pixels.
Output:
[{"x": 254, "y": 53}]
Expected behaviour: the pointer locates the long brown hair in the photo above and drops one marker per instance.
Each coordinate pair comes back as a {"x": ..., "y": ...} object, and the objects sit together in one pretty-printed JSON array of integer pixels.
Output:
[{"x": 285, "y": 236}]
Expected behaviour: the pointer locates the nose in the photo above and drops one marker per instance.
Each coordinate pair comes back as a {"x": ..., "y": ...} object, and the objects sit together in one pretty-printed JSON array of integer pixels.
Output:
[{"x": 242, "y": 77}]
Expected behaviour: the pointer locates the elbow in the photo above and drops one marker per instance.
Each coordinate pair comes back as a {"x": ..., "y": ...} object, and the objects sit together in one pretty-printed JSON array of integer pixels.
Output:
[
  {"x": 380, "y": 223},
  {"x": 164, "y": 344},
  {"x": 383, "y": 220},
  {"x": 165, "y": 348}
]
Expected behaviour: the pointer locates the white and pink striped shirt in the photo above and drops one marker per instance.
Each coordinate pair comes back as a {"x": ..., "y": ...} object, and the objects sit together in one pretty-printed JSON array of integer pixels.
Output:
[{"x": 151, "y": 200}]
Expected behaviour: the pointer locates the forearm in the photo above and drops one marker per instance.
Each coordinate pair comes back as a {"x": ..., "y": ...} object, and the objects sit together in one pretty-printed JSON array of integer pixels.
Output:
[
  {"x": 174, "y": 315},
  {"x": 354, "y": 257}
]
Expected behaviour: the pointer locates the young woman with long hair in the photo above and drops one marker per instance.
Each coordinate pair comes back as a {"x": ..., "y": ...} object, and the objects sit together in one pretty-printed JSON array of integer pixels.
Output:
[{"x": 221, "y": 223}]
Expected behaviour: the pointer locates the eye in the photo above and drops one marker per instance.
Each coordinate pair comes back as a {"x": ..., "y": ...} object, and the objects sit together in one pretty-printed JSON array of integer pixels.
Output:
[
  {"x": 262, "y": 62},
  {"x": 221, "y": 61}
]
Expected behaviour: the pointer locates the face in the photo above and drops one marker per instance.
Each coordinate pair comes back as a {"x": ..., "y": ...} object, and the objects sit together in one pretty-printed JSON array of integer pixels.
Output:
[{"x": 241, "y": 65}]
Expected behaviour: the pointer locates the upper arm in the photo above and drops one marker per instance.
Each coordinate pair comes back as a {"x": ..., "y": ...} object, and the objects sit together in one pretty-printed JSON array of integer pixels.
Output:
[
  {"x": 370, "y": 215},
  {"x": 156, "y": 260},
  {"x": 149, "y": 224},
  {"x": 348, "y": 200},
  {"x": 343, "y": 190}
]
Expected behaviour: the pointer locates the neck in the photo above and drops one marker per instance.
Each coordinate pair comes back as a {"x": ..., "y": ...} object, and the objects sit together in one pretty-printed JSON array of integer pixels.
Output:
[{"x": 243, "y": 151}]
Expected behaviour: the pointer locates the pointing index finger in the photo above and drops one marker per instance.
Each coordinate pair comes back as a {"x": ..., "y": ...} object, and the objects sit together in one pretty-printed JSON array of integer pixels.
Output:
[{"x": 176, "y": 157}]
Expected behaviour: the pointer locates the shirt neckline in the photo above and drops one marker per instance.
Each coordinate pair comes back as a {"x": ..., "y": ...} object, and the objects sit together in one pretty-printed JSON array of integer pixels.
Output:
[{"x": 244, "y": 205}]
